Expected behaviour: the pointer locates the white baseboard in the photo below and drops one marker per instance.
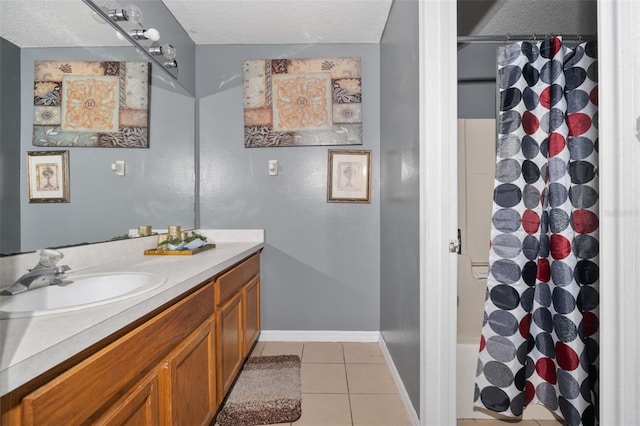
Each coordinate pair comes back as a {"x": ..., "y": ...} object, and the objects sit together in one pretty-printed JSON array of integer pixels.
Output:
[
  {"x": 346, "y": 336},
  {"x": 404, "y": 396},
  {"x": 318, "y": 336}
]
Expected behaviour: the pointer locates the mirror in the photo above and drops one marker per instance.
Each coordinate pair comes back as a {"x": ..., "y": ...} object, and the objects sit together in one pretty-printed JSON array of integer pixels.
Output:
[{"x": 158, "y": 187}]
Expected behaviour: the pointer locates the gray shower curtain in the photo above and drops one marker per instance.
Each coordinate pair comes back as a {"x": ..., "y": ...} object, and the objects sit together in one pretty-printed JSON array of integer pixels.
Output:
[{"x": 539, "y": 339}]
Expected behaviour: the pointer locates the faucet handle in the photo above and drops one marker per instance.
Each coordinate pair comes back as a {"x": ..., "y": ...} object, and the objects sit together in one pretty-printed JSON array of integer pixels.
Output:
[
  {"x": 49, "y": 257},
  {"x": 62, "y": 269}
]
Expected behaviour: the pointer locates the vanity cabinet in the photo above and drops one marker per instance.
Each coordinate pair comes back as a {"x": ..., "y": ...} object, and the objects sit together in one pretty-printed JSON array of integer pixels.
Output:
[
  {"x": 171, "y": 368},
  {"x": 237, "y": 316},
  {"x": 93, "y": 388}
]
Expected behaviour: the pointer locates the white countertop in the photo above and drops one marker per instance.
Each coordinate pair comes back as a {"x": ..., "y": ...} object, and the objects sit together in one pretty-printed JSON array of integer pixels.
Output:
[{"x": 31, "y": 346}]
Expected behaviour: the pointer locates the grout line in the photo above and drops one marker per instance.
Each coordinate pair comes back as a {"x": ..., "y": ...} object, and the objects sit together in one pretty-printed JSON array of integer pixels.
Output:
[{"x": 344, "y": 359}]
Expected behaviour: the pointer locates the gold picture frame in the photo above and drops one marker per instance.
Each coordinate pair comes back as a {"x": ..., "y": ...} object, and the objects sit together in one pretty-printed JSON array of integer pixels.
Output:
[
  {"x": 48, "y": 176},
  {"x": 349, "y": 176}
]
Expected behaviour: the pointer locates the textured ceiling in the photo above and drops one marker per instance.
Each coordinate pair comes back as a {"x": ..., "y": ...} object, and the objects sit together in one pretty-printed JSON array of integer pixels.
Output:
[
  {"x": 41, "y": 23},
  {"x": 53, "y": 23},
  {"x": 278, "y": 22}
]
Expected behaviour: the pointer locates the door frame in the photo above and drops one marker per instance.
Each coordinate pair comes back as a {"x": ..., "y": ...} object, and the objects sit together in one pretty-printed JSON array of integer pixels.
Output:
[
  {"x": 438, "y": 210},
  {"x": 619, "y": 56}
]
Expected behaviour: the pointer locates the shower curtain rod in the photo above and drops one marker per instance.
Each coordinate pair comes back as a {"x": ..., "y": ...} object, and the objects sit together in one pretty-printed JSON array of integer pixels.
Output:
[{"x": 522, "y": 37}]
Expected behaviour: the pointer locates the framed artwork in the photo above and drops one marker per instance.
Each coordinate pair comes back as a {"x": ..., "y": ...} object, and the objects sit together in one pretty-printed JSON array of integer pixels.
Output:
[
  {"x": 48, "y": 176},
  {"x": 91, "y": 104},
  {"x": 349, "y": 177},
  {"x": 298, "y": 102}
]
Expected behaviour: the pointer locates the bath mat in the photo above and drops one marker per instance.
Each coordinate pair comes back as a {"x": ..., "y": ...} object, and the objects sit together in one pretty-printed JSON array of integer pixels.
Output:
[{"x": 267, "y": 392}]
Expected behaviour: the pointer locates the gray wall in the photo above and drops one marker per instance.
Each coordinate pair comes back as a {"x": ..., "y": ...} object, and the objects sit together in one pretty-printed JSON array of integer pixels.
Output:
[
  {"x": 320, "y": 263},
  {"x": 400, "y": 194},
  {"x": 10, "y": 155},
  {"x": 158, "y": 189},
  {"x": 477, "y": 80}
]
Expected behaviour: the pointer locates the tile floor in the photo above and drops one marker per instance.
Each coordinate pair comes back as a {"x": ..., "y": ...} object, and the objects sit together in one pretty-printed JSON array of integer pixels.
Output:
[
  {"x": 350, "y": 384},
  {"x": 342, "y": 384}
]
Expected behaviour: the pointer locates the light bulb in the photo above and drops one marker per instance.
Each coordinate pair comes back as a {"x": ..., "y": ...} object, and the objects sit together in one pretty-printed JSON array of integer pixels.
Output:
[
  {"x": 168, "y": 51},
  {"x": 130, "y": 13},
  {"x": 133, "y": 14},
  {"x": 150, "y": 34}
]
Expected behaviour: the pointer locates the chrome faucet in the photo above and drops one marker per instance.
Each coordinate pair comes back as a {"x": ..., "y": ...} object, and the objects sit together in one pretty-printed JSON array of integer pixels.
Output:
[{"x": 45, "y": 273}]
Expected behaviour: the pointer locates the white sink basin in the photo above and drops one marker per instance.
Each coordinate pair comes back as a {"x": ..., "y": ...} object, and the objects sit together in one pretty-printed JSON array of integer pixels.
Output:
[{"x": 79, "y": 291}]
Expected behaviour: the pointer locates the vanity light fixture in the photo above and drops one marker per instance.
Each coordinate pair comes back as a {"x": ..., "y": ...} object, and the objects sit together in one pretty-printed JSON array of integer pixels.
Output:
[
  {"x": 116, "y": 16},
  {"x": 170, "y": 63},
  {"x": 168, "y": 51},
  {"x": 142, "y": 34},
  {"x": 130, "y": 13}
]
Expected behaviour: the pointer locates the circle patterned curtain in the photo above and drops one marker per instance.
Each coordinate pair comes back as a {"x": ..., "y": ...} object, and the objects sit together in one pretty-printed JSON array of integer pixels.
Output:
[{"x": 539, "y": 340}]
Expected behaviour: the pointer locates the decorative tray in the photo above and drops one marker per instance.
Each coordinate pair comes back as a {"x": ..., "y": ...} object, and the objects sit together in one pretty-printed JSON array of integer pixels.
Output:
[{"x": 180, "y": 252}]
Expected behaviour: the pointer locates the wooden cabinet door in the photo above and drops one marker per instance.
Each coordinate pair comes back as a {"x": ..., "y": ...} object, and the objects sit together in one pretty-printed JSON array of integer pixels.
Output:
[
  {"x": 188, "y": 380},
  {"x": 139, "y": 407},
  {"x": 252, "y": 313},
  {"x": 230, "y": 342}
]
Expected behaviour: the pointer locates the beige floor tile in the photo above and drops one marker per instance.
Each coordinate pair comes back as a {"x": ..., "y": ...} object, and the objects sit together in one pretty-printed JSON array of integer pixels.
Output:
[
  {"x": 370, "y": 378},
  {"x": 322, "y": 352},
  {"x": 282, "y": 348},
  {"x": 378, "y": 410},
  {"x": 505, "y": 422},
  {"x": 550, "y": 423},
  {"x": 355, "y": 352},
  {"x": 325, "y": 410},
  {"x": 323, "y": 378},
  {"x": 465, "y": 422}
]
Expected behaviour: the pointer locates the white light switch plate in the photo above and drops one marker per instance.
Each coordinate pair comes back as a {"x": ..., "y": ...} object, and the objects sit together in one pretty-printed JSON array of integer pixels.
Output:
[
  {"x": 119, "y": 168},
  {"x": 273, "y": 167}
]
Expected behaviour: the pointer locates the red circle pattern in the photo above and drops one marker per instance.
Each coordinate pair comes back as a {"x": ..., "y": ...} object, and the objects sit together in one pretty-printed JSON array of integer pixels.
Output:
[
  {"x": 546, "y": 369},
  {"x": 557, "y": 143},
  {"x": 585, "y": 221},
  {"x": 567, "y": 358},
  {"x": 530, "y": 221},
  {"x": 560, "y": 247},
  {"x": 544, "y": 349}
]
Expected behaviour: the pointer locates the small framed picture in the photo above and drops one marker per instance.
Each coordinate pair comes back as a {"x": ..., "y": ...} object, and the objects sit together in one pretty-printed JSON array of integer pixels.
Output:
[
  {"x": 48, "y": 175},
  {"x": 349, "y": 176}
]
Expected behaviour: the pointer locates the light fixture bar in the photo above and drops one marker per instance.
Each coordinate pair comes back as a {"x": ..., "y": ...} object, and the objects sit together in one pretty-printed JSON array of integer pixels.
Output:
[{"x": 170, "y": 70}]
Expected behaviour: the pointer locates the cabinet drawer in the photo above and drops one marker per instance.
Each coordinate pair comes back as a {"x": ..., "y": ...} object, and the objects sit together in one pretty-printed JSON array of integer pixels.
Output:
[
  {"x": 83, "y": 391},
  {"x": 230, "y": 282}
]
